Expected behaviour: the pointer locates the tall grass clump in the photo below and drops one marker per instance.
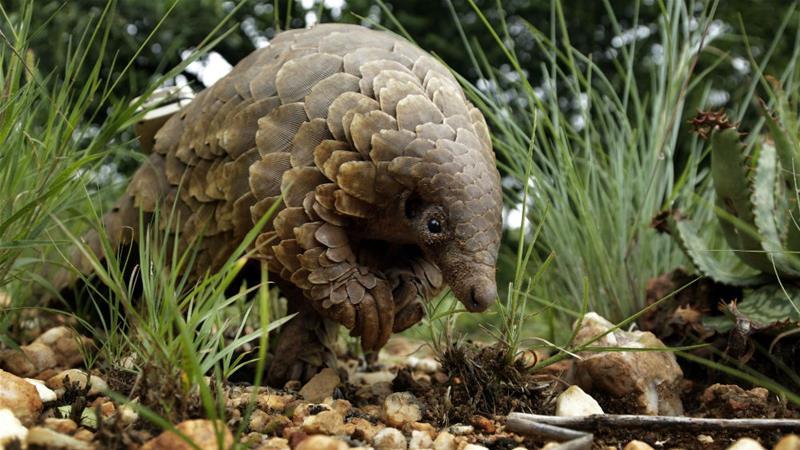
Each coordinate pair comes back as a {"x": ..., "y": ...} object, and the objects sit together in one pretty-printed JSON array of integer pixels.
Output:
[
  {"x": 601, "y": 171},
  {"x": 48, "y": 151}
]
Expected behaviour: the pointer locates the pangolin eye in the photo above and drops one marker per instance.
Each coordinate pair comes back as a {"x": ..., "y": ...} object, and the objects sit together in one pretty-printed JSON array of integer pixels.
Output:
[{"x": 434, "y": 226}]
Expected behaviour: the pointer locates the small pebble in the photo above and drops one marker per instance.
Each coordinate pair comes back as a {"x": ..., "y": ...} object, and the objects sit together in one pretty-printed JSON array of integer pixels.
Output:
[
  {"x": 84, "y": 435},
  {"x": 11, "y": 429},
  {"x": 56, "y": 383},
  {"x": 788, "y": 442},
  {"x": 20, "y": 397},
  {"x": 29, "y": 359},
  {"x": 746, "y": 444},
  {"x": 574, "y": 402},
  {"x": 66, "y": 343},
  {"x": 461, "y": 429},
  {"x": 444, "y": 441},
  {"x": 474, "y": 447},
  {"x": 637, "y": 445},
  {"x": 400, "y": 408},
  {"x": 482, "y": 424},
  {"x": 420, "y": 440},
  {"x": 705, "y": 439},
  {"x": 318, "y": 442},
  {"x": 202, "y": 432},
  {"x": 326, "y": 422},
  {"x": 45, "y": 393},
  {"x": 389, "y": 439},
  {"x": 275, "y": 443},
  {"x": 321, "y": 385},
  {"x": 63, "y": 426},
  {"x": 47, "y": 438},
  {"x": 427, "y": 365}
]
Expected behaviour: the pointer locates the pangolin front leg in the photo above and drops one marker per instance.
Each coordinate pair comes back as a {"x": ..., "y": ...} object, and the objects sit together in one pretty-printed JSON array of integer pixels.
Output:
[
  {"x": 414, "y": 280},
  {"x": 305, "y": 344},
  {"x": 311, "y": 249}
]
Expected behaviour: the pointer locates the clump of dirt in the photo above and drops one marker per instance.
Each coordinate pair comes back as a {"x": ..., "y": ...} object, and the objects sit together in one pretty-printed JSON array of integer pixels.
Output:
[
  {"x": 731, "y": 401},
  {"x": 165, "y": 391},
  {"x": 481, "y": 381}
]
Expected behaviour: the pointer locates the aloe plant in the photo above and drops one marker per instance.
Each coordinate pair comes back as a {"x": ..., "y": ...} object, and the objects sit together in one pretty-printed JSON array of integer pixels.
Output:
[{"x": 756, "y": 235}]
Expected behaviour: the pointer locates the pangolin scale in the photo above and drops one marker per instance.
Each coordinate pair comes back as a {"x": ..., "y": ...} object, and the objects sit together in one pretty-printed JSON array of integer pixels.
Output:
[{"x": 382, "y": 170}]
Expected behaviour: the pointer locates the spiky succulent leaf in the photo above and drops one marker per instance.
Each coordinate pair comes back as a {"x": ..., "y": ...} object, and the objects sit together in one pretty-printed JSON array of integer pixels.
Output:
[
  {"x": 788, "y": 151},
  {"x": 710, "y": 255},
  {"x": 732, "y": 187},
  {"x": 768, "y": 308},
  {"x": 770, "y": 211}
]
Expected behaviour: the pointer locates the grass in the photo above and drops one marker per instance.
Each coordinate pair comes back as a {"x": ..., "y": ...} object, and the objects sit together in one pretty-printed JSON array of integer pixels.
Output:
[{"x": 600, "y": 173}]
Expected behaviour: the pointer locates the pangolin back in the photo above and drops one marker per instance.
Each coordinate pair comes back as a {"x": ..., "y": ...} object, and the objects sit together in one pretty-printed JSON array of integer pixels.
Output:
[{"x": 287, "y": 119}]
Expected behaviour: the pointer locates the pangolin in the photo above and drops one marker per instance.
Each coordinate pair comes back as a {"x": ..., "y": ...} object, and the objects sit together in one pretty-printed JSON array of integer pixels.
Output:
[{"x": 382, "y": 170}]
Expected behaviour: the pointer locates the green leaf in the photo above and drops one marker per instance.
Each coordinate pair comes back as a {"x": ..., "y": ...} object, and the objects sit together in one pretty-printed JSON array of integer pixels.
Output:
[
  {"x": 789, "y": 156},
  {"x": 720, "y": 264},
  {"x": 733, "y": 197},
  {"x": 771, "y": 304},
  {"x": 769, "y": 208}
]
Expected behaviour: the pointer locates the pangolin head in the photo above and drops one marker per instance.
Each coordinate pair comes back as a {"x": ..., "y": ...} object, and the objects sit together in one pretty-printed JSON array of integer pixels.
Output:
[{"x": 453, "y": 210}]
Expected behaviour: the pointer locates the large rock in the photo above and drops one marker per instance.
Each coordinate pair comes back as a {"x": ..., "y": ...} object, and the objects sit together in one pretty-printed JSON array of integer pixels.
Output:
[
  {"x": 20, "y": 397},
  {"x": 652, "y": 378},
  {"x": 201, "y": 432}
]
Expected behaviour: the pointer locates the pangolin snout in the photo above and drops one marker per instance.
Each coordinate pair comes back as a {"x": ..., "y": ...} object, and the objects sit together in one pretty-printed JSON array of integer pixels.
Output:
[{"x": 481, "y": 296}]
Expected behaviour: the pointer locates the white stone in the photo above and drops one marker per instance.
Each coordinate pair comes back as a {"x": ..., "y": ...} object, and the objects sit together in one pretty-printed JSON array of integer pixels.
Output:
[
  {"x": 474, "y": 447},
  {"x": 444, "y": 441},
  {"x": 420, "y": 440},
  {"x": 427, "y": 365},
  {"x": 400, "y": 408},
  {"x": 573, "y": 402},
  {"x": 746, "y": 444},
  {"x": 11, "y": 428},
  {"x": 389, "y": 439},
  {"x": 461, "y": 429},
  {"x": 705, "y": 439},
  {"x": 45, "y": 393}
]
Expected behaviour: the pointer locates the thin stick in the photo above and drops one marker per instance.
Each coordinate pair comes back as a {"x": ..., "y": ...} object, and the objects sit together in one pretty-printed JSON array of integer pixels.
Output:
[
  {"x": 639, "y": 421},
  {"x": 525, "y": 426}
]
